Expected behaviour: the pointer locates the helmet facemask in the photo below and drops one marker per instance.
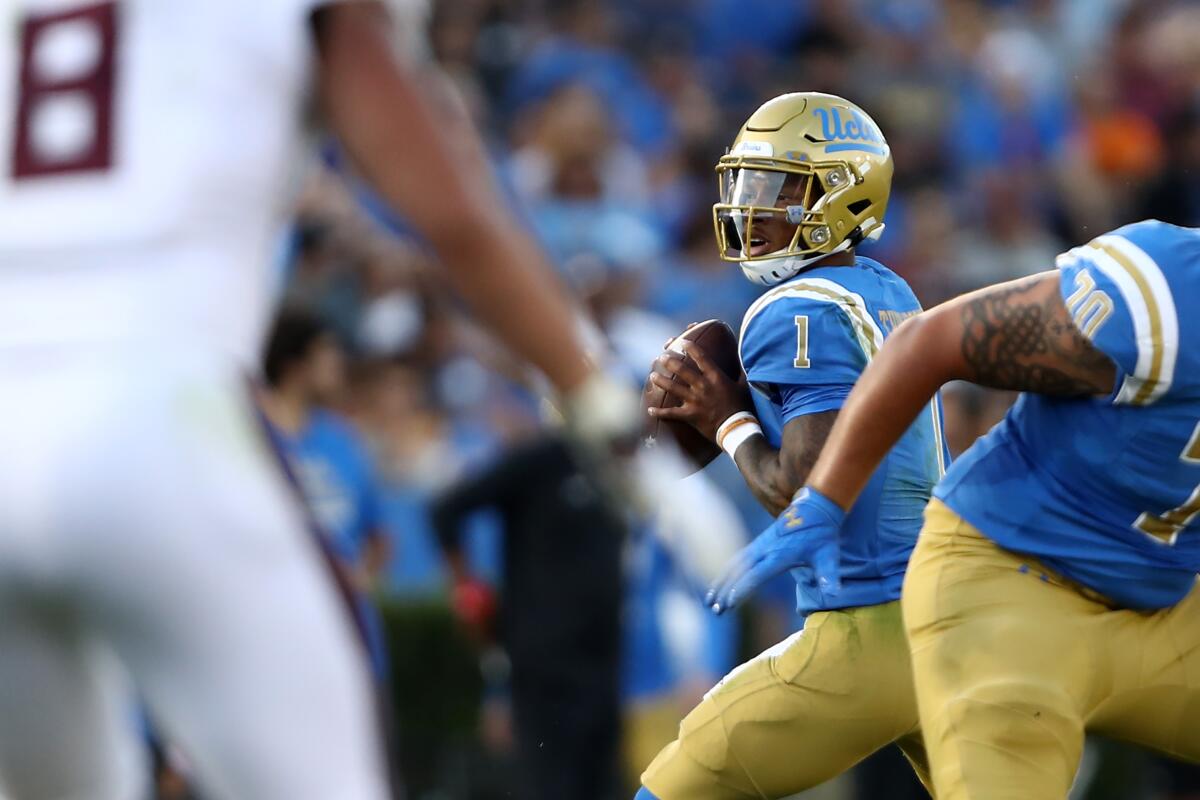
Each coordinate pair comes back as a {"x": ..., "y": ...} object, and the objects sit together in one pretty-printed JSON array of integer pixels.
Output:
[{"x": 771, "y": 217}]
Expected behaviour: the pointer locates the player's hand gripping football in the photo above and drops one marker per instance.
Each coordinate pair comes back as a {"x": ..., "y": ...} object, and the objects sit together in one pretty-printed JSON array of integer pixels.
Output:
[
  {"x": 805, "y": 534},
  {"x": 707, "y": 396}
]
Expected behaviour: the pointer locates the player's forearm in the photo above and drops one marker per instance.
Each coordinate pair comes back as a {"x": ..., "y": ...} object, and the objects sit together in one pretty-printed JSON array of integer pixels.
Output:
[
  {"x": 914, "y": 363},
  {"x": 770, "y": 482},
  {"x": 502, "y": 270},
  {"x": 426, "y": 161}
]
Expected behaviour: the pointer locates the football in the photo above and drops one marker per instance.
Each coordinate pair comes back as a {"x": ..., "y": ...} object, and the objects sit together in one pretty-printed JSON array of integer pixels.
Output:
[{"x": 720, "y": 344}]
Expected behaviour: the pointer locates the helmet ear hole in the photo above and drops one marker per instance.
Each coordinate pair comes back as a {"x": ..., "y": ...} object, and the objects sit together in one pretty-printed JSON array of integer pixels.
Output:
[{"x": 858, "y": 206}]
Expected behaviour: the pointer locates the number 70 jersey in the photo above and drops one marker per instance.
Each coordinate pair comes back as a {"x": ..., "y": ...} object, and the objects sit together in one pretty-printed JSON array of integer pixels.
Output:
[
  {"x": 146, "y": 159},
  {"x": 1106, "y": 490}
]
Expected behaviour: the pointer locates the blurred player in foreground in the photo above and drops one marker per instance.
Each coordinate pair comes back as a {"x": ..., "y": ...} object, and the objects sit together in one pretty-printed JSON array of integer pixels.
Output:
[
  {"x": 807, "y": 179},
  {"x": 1053, "y": 589},
  {"x": 146, "y": 531}
]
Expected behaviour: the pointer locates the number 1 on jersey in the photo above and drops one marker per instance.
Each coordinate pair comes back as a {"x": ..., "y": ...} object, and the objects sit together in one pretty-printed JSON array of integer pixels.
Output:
[{"x": 801, "y": 361}]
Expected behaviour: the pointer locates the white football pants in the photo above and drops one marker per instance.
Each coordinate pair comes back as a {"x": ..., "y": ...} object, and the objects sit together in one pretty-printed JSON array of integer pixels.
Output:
[{"x": 149, "y": 540}]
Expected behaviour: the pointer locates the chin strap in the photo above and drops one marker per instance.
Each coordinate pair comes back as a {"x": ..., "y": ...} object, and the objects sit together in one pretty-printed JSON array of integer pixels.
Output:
[{"x": 785, "y": 267}]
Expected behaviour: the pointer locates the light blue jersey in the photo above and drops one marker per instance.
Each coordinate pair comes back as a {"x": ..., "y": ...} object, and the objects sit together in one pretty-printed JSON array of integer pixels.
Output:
[
  {"x": 1107, "y": 490},
  {"x": 335, "y": 473},
  {"x": 803, "y": 345}
]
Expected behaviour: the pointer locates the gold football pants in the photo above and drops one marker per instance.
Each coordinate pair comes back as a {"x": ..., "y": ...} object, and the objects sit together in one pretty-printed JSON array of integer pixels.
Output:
[
  {"x": 1012, "y": 664},
  {"x": 801, "y": 713}
]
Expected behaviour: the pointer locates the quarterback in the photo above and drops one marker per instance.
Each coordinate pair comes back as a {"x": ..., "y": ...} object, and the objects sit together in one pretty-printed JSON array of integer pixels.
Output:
[
  {"x": 805, "y": 181},
  {"x": 1053, "y": 589},
  {"x": 147, "y": 536}
]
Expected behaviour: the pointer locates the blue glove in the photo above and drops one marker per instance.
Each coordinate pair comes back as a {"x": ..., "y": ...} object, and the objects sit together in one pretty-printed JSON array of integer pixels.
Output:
[{"x": 805, "y": 534}]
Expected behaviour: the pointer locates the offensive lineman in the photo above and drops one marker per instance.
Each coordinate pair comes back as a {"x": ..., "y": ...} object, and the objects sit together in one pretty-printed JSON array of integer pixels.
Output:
[
  {"x": 1054, "y": 586},
  {"x": 807, "y": 179},
  {"x": 145, "y": 533}
]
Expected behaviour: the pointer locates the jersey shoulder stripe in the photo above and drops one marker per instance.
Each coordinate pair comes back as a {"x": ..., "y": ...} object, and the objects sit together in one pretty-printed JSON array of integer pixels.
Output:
[
  {"x": 1151, "y": 307},
  {"x": 867, "y": 331}
]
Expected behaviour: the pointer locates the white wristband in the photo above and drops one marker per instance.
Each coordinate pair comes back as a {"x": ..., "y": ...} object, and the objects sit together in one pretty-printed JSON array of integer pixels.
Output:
[{"x": 734, "y": 431}]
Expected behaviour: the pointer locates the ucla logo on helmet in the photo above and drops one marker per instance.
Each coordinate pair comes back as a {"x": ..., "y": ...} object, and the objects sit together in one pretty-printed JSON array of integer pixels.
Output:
[{"x": 850, "y": 132}]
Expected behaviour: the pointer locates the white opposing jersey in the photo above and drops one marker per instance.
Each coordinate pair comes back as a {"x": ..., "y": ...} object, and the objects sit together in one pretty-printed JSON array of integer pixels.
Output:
[{"x": 147, "y": 153}]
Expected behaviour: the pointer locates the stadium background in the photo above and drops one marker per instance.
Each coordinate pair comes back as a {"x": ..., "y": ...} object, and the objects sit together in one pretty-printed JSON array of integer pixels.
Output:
[{"x": 1018, "y": 128}]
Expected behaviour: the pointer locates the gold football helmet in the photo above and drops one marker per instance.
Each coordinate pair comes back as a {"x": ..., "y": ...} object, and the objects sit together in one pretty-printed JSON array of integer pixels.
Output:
[{"x": 808, "y": 175}]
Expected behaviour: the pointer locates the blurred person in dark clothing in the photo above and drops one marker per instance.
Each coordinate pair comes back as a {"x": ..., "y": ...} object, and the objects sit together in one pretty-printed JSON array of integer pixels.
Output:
[{"x": 558, "y": 615}]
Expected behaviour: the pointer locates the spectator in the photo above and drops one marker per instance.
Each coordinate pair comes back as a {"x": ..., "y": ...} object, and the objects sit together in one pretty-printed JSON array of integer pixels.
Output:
[
  {"x": 558, "y": 614},
  {"x": 420, "y": 450},
  {"x": 305, "y": 372},
  {"x": 582, "y": 189}
]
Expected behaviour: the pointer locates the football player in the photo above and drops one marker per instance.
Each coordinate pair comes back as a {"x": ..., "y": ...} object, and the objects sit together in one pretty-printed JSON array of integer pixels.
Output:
[
  {"x": 1053, "y": 590},
  {"x": 145, "y": 531},
  {"x": 805, "y": 181}
]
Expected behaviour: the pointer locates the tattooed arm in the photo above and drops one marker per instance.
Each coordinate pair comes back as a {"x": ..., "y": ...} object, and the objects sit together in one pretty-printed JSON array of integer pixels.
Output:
[{"x": 1017, "y": 336}]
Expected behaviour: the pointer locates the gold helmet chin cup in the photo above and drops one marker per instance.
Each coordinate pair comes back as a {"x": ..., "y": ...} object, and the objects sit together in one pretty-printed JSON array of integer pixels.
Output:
[{"x": 798, "y": 134}]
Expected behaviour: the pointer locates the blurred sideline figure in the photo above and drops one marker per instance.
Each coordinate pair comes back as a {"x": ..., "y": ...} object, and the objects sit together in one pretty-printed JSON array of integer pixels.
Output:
[
  {"x": 558, "y": 616},
  {"x": 147, "y": 535}
]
